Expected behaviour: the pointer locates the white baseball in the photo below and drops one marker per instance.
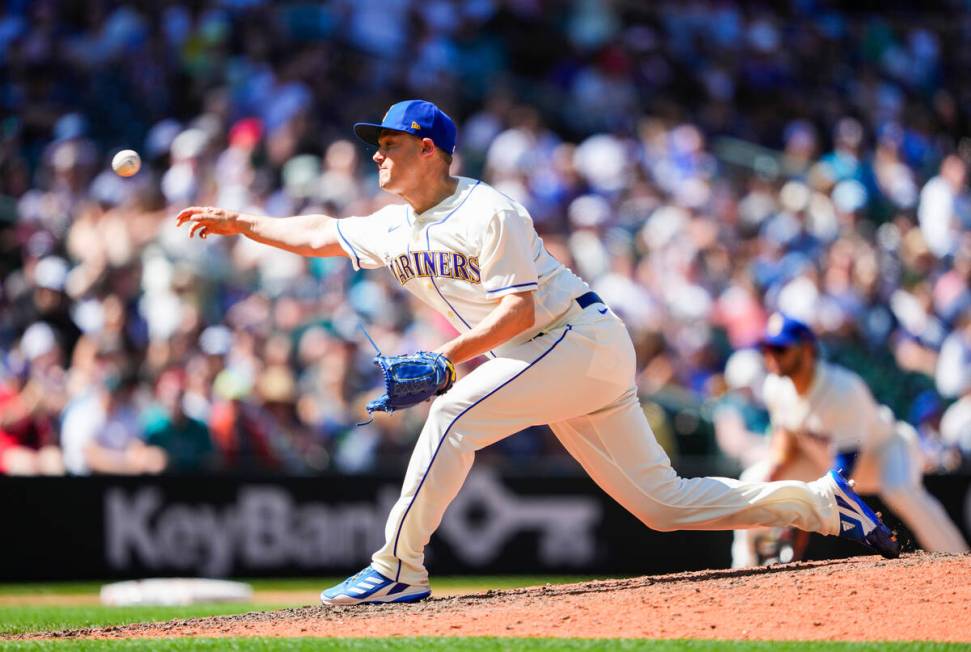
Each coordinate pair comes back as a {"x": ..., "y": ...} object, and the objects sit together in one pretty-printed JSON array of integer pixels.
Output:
[{"x": 126, "y": 162}]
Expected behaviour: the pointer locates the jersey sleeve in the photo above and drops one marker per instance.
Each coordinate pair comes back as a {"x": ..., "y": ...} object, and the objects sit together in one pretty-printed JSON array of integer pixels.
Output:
[
  {"x": 364, "y": 239},
  {"x": 506, "y": 257}
]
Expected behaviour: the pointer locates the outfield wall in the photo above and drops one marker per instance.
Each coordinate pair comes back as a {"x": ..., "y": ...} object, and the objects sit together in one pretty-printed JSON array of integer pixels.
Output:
[{"x": 128, "y": 527}]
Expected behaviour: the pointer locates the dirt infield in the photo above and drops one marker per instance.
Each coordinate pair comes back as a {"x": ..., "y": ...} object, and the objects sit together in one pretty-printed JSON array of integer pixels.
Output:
[{"x": 918, "y": 597}]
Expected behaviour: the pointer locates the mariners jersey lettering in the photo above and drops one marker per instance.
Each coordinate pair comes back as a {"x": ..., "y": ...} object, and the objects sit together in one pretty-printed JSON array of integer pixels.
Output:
[
  {"x": 462, "y": 255},
  {"x": 440, "y": 264},
  {"x": 838, "y": 408}
]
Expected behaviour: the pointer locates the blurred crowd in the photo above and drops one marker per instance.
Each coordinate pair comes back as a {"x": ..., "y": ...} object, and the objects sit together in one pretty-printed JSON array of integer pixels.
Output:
[{"x": 700, "y": 163}]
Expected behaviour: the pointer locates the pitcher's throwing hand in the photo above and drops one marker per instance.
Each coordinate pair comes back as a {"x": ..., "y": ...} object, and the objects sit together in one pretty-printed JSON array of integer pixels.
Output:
[{"x": 206, "y": 220}]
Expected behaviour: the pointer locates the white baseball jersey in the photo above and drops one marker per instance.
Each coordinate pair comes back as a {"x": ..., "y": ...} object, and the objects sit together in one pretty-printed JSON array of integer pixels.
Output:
[
  {"x": 574, "y": 370},
  {"x": 464, "y": 254},
  {"x": 838, "y": 409}
]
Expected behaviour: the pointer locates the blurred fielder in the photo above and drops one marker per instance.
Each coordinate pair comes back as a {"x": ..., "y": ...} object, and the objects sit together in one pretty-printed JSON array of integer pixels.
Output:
[
  {"x": 823, "y": 416},
  {"x": 556, "y": 355}
]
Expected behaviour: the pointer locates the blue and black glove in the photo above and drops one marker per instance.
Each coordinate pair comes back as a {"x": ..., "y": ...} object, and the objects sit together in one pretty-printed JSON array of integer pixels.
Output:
[{"x": 411, "y": 379}]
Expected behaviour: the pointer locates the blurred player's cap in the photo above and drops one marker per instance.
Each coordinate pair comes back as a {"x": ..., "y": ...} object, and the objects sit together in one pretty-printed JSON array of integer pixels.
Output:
[
  {"x": 785, "y": 331},
  {"x": 416, "y": 117}
]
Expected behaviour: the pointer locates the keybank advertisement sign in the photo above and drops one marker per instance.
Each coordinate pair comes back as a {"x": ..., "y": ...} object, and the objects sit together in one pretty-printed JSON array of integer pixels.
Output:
[
  {"x": 100, "y": 528},
  {"x": 268, "y": 527},
  {"x": 264, "y": 527}
]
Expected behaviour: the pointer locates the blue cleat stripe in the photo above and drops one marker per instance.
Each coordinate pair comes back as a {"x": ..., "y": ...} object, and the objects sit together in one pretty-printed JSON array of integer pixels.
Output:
[
  {"x": 401, "y": 586},
  {"x": 404, "y": 599},
  {"x": 370, "y": 590},
  {"x": 879, "y": 537}
]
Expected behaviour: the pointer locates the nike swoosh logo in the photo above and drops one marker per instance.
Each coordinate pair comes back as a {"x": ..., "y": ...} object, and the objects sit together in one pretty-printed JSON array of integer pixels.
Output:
[{"x": 603, "y": 312}]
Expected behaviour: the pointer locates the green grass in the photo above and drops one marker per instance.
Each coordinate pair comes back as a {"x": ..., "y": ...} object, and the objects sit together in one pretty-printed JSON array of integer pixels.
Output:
[
  {"x": 19, "y": 619},
  {"x": 461, "y": 582},
  {"x": 470, "y": 645},
  {"x": 47, "y": 618}
]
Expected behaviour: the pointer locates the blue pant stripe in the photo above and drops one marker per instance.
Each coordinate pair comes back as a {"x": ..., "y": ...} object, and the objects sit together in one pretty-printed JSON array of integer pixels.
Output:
[{"x": 401, "y": 524}]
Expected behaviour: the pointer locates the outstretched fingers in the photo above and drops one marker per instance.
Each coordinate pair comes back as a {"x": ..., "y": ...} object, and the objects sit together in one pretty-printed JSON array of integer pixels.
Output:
[
  {"x": 197, "y": 216},
  {"x": 207, "y": 220},
  {"x": 187, "y": 214},
  {"x": 199, "y": 228}
]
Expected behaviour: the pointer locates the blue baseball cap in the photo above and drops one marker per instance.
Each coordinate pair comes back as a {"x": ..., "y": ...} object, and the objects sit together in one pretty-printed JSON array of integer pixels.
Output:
[
  {"x": 416, "y": 117},
  {"x": 785, "y": 331}
]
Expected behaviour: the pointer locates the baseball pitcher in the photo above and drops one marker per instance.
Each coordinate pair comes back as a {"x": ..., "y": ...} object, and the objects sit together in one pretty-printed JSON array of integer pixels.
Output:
[{"x": 556, "y": 355}]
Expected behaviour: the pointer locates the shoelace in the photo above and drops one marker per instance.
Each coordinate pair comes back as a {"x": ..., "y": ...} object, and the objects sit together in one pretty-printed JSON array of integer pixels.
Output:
[{"x": 354, "y": 578}]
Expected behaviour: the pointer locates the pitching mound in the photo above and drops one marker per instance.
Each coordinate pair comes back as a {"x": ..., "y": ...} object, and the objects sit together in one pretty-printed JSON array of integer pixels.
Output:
[{"x": 918, "y": 597}]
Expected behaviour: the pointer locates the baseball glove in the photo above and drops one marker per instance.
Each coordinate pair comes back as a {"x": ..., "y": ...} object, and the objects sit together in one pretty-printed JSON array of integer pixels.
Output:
[{"x": 411, "y": 379}]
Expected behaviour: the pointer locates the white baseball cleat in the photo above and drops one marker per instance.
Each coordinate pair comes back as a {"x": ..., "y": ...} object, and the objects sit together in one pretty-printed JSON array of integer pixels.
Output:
[
  {"x": 371, "y": 587},
  {"x": 858, "y": 522}
]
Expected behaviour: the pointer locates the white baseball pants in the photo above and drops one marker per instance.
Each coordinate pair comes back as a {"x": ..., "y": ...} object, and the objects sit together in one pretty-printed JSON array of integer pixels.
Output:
[{"x": 578, "y": 378}]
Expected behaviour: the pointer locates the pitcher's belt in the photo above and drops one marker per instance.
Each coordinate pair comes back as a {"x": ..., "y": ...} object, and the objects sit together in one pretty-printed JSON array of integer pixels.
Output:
[{"x": 589, "y": 299}]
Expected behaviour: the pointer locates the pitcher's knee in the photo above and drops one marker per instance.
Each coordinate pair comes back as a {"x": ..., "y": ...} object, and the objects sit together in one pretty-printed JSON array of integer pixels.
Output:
[
  {"x": 445, "y": 419},
  {"x": 444, "y": 411},
  {"x": 661, "y": 518},
  {"x": 660, "y": 507}
]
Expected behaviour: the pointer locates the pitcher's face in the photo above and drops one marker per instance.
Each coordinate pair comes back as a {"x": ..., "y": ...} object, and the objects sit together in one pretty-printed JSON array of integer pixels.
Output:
[{"x": 398, "y": 161}]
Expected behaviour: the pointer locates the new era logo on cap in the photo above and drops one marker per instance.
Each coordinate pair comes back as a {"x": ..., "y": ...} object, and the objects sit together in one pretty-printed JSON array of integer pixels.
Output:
[{"x": 412, "y": 117}]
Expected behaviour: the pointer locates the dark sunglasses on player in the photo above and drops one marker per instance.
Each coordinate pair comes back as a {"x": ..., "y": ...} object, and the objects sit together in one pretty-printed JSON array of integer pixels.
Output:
[{"x": 776, "y": 349}]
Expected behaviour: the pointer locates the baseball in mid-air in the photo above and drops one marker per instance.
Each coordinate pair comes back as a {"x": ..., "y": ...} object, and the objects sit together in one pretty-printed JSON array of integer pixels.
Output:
[{"x": 126, "y": 162}]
